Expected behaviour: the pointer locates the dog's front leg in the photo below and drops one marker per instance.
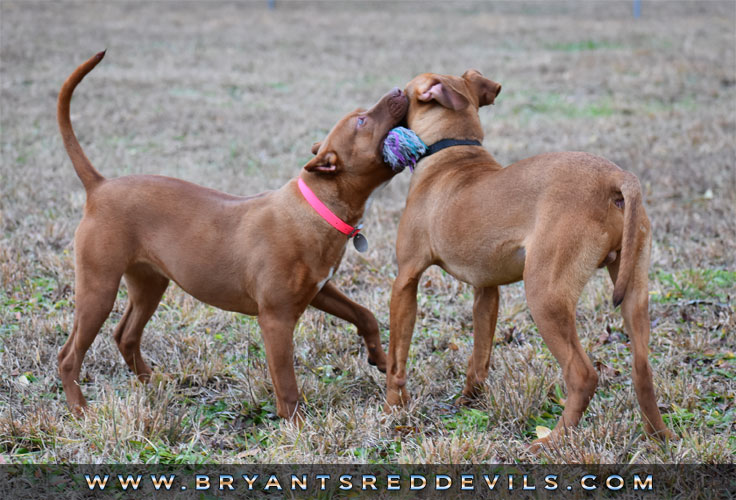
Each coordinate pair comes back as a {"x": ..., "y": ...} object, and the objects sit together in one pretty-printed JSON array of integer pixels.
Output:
[
  {"x": 403, "y": 317},
  {"x": 277, "y": 328},
  {"x": 331, "y": 300},
  {"x": 485, "y": 315}
]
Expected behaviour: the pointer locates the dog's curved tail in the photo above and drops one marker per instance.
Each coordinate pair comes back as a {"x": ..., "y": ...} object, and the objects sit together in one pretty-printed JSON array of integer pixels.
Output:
[
  {"x": 87, "y": 173},
  {"x": 630, "y": 241}
]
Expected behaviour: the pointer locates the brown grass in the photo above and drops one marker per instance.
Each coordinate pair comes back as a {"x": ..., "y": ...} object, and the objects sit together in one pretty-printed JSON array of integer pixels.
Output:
[{"x": 231, "y": 95}]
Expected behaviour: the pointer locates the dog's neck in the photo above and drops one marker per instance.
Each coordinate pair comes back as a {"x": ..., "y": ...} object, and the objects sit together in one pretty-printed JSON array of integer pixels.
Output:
[
  {"x": 467, "y": 129},
  {"x": 434, "y": 123},
  {"x": 346, "y": 198},
  {"x": 464, "y": 151}
]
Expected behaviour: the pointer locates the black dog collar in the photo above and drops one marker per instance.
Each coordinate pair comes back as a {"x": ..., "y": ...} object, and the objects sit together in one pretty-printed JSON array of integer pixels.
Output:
[{"x": 447, "y": 143}]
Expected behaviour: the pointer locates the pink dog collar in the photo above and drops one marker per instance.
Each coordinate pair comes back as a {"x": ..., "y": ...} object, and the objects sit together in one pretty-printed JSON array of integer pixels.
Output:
[{"x": 325, "y": 212}]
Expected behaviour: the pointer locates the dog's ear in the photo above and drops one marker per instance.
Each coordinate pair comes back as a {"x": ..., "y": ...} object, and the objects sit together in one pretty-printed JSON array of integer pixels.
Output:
[
  {"x": 315, "y": 147},
  {"x": 485, "y": 89},
  {"x": 444, "y": 92},
  {"x": 326, "y": 162}
]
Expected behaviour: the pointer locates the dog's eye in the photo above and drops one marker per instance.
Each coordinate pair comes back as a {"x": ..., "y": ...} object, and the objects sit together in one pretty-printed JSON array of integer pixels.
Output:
[{"x": 361, "y": 121}]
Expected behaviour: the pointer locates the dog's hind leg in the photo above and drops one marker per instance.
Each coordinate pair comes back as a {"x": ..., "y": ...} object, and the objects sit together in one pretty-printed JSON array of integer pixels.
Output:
[
  {"x": 635, "y": 310},
  {"x": 145, "y": 289},
  {"x": 555, "y": 318},
  {"x": 485, "y": 315},
  {"x": 554, "y": 275},
  {"x": 95, "y": 291},
  {"x": 331, "y": 300}
]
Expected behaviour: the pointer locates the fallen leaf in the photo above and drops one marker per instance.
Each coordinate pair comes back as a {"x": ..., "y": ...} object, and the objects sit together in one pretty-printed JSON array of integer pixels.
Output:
[{"x": 543, "y": 432}]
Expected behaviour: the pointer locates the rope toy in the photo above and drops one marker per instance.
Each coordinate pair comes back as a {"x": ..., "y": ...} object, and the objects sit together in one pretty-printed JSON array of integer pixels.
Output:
[{"x": 402, "y": 148}]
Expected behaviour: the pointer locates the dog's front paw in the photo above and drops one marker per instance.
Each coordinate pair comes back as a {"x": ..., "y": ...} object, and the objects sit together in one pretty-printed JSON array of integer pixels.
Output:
[
  {"x": 79, "y": 410},
  {"x": 663, "y": 435},
  {"x": 292, "y": 412},
  {"x": 297, "y": 418},
  {"x": 396, "y": 399},
  {"x": 472, "y": 391},
  {"x": 464, "y": 401},
  {"x": 159, "y": 379},
  {"x": 377, "y": 359}
]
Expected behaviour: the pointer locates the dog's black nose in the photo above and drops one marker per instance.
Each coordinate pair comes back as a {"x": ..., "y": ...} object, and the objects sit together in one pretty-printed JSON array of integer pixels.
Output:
[{"x": 396, "y": 92}]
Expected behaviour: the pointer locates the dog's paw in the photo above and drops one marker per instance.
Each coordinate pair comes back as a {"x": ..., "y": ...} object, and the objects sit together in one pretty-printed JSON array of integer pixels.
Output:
[
  {"x": 78, "y": 411},
  {"x": 379, "y": 363},
  {"x": 388, "y": 409},
  {"x": 396, "y": 397},
  {"x": 392, "y": 406},
  {"x": 298, "y": 419},
  {"x": 538, "y": 445},
  {"x": 82, "y": 412},
  {"x": 464, "y": 401},
  {"x": 160, "y": 378},
  {"x": 664, "y": 435}
]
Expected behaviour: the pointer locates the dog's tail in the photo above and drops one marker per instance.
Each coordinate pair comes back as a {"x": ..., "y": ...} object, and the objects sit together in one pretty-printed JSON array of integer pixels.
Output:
[
  {"x": 630, "y": 244},
  {"x": 89, "y": 176}
]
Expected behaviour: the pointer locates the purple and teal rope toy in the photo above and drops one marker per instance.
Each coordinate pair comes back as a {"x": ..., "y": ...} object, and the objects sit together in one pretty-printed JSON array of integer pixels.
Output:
[{"x": 402, "y": 148}]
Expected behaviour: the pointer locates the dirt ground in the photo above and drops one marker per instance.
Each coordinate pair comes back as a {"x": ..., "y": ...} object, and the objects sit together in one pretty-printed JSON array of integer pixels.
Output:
[{"x": 232, "y": 95}]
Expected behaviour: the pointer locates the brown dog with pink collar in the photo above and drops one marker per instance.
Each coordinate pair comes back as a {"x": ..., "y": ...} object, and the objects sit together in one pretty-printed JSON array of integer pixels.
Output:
[
  {"x": 551, "y": 220},
  {"x": 270, "y": 255}
]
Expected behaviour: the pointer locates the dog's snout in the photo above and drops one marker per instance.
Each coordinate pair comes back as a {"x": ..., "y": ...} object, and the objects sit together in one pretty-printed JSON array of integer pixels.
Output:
[
  {"x": 394, "y": 94},
  {"x": 397, "y": 103}
]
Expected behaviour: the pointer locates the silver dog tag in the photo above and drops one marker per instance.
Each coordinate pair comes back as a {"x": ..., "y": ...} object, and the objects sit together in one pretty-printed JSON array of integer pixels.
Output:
[{"x": 360, "y": 243}]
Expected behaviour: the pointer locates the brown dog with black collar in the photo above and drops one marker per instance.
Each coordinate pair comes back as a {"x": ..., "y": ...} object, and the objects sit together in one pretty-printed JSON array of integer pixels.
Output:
[
  {"x": 551, "y": 220},
  {"x": 269, "y": 255}
]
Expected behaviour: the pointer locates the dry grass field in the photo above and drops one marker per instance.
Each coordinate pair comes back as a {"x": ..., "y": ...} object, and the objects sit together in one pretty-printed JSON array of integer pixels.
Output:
[{"x": 232, "y": 95}]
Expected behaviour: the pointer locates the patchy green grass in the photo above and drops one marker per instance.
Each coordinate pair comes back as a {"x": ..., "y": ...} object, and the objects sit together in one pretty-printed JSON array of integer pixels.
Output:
[
  {"x": 467, "y": 420},
  {"x": 699, "y": 286},
  {"x": 549, "y": 413}
]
